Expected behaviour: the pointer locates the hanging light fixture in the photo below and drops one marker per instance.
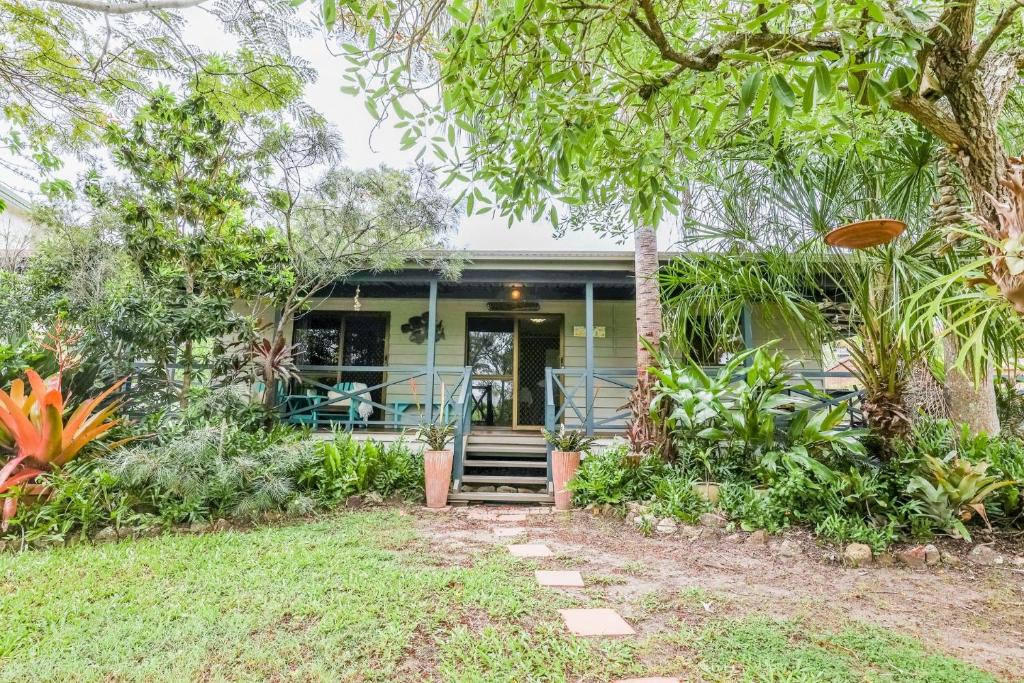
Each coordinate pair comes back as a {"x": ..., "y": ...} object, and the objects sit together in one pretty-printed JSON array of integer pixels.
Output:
[{"x": 356, "y": 303}]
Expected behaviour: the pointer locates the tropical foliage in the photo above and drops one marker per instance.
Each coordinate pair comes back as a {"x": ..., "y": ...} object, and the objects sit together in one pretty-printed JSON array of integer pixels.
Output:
[{"x": 34, "y": 428}]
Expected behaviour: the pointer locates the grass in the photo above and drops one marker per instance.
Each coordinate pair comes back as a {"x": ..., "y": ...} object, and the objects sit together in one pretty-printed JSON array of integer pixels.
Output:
[{"x": 359, "y": 597}]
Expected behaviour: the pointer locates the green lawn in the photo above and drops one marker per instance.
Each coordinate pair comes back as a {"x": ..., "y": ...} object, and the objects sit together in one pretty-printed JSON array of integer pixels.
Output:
[{"x": 360, "y": 597}]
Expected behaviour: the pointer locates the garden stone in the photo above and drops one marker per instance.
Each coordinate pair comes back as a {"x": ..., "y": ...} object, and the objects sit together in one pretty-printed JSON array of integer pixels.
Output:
[
  {"x": 221, "y": 525},
  {"x": 733, "y": 538},
  {"x": 645, "y": 520},
  {"x": 373, "y": 498},
  {"x": 355, "y": 501},
  {"x": 667, "y": 526},
  {"x": 525, "y": 490},
  {"x": 759, "y": 537},
  {"x": 507, "y": 489},
  {"x": 710, "y": 519},
  {"x": 395, "y": 500},
  {"x": 931, "y": 555},
  {"x": 105, "y": 535},
  {"x": 690, "y": 532},
  {"x": 857, "y": 554},
  {"x": 951, "y": 559},
  {"x": 485, "y": 489},
  {"x": 912, "y": 557},
  {"x": 885, "y": 560},
  {"x": 985, "y": 555},
  {"x": 636, "y": 508},
  {"x": 1017, "y": 561},
  {"x": 789, "y": 548}
]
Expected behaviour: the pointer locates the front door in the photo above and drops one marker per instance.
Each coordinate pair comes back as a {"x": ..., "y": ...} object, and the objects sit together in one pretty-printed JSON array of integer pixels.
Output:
[{"x": 508, "y": 355}]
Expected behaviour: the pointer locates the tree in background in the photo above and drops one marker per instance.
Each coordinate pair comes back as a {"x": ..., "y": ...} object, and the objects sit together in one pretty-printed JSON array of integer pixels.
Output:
[
  {"x": 598, "y": 103},
  {"x": 339, "y": 222},
  {"x": 70, "y": 67}
]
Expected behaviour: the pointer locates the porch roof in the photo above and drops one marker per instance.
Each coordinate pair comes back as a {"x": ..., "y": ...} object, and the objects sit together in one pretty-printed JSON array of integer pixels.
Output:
[{"x": 557, "y": 275}]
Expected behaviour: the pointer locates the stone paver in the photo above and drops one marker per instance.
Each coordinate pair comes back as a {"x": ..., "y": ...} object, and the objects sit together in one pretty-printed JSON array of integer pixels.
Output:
[
  {"x": 530, "y": 550},
  {"x": 567, "y": 579},
  {"x": 511, "y": 518},
  {"x": 595, "y": 622},
  {"x": 509, "y": 531}
]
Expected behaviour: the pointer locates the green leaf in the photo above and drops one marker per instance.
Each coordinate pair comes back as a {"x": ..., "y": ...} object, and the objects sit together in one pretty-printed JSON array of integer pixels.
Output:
[
  {"x": 782, "y": 91},
  {"x": 749, "y": 90},
  {"x": 808, "y": 102},
  {"x": 330, "y": 11}
]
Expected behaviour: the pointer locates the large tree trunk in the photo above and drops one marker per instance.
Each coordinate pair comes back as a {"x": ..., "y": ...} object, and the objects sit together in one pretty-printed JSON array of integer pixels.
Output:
[{"x": 648, "y": 297}]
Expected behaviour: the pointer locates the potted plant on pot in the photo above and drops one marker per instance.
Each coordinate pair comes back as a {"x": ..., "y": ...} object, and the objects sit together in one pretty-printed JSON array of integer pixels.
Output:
[
  {"x": 568, "y": 444},
  {"x": 437, "y": 461}
]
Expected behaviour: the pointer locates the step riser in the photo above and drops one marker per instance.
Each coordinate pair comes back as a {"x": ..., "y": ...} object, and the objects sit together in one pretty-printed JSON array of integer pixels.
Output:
[
  {"x": 503, "y": 480},
  {"x": 511, "y": 464},
  {"x": 502, "y": 497},
  {"x": 506, "y": 448}
]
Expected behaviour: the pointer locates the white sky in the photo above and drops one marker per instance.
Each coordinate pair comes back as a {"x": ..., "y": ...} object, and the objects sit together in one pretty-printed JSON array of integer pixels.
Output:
[{"x": 355, "y": 124}]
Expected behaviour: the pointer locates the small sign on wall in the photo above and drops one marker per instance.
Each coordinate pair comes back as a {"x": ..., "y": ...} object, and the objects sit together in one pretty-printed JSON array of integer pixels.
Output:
[{"x": 581, "y": 331}]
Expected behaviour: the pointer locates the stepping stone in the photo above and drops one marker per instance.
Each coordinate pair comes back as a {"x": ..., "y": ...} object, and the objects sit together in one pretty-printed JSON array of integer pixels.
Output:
[
  {"x": 656, "y": 679},
  {"x": 530, "y": 550},
  {"x": 511, "y": 518},
  {"x": 509, "y": 532},
  {"x": 566, "y": 579},
  {"x": 595, "y": 622}
]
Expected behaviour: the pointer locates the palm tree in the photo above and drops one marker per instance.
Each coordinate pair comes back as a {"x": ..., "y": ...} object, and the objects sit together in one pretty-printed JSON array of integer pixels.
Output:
[{"x": 770, "y": 214}]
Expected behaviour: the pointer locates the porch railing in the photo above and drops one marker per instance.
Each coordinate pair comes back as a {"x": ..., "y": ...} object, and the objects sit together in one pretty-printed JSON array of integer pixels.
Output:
[{"x": 317, "y": 402}]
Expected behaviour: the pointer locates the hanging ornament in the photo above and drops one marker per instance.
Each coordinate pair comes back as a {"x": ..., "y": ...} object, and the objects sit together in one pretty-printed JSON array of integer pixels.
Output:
[{"x": 356, "y": 304}]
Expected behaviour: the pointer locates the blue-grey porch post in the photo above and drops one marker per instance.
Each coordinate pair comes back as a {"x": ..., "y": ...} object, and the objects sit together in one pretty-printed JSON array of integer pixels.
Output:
[
  {"x": 747, "y": 329},
  {"x": 590, "y": 358},
  {"x": 431, "y": 334}
]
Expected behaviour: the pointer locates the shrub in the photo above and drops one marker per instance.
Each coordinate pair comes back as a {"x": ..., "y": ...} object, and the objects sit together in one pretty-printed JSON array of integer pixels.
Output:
[
  {"x": 222, "y": 471},
  {"x": 675, "y": 496},
  {"x": 83, "y": 498},
  {"x": 613, "y": 477},
  {"x": 346, "y": 466}
]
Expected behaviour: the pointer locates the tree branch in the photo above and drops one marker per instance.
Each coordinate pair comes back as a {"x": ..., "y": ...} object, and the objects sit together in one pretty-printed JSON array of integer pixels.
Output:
[
  {"x": 1002, "y": 22},
  {"x": 710, "y": 57},
  {"x": 936, "y": 121},
  {"x": 129, "y": 7}
]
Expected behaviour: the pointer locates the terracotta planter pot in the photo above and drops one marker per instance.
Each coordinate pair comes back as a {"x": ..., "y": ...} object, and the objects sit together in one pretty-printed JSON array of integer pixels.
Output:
[
  {"x": 707, "y": 490},
  {"x": 437, "y": 471},
  {"x": 563, "y": 468}
]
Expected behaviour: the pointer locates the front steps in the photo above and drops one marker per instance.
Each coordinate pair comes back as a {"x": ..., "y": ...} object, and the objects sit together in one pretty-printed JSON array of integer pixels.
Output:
[{"x": 504, "y": 467}]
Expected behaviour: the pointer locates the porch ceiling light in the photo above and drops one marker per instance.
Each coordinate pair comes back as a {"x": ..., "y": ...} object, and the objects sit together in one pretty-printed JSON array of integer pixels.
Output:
[{"x": 517, "y": 293}]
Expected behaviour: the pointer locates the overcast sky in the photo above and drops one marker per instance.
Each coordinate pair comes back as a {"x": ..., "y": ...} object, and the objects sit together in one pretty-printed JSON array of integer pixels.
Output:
[{"x": 366, "y": 147}]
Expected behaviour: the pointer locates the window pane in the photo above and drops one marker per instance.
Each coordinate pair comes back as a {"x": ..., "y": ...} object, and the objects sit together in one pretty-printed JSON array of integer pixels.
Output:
[{"x": 490, "y": 343}]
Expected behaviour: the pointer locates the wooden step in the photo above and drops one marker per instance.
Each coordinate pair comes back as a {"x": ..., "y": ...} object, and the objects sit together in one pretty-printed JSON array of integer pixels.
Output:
[
  {"x": 511, "y": 449},
  {"x": 507, "y": 438},
  {"x": 473, "y": 496},
  {"x": 503, "y": 479},
  {"x": 542, "y": 464}
]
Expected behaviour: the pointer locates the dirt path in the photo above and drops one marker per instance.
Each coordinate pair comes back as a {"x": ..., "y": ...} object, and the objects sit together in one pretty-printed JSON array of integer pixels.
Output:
[{"x": 974, "y": 614}]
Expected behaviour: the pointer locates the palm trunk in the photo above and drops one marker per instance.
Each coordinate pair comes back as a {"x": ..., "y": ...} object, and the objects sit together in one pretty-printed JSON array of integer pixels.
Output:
[
  {"x": 648, "y": 297},
  {"x": 968, "y": 403}
]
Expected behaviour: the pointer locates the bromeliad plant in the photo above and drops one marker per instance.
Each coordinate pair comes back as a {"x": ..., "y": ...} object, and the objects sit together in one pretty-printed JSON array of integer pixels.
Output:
[
  {"x": 952, "y": 491},
  {"x": 568, "y": 440},
  {"x": 437, "y": 435},
  {"x": 33, "y": 428}
]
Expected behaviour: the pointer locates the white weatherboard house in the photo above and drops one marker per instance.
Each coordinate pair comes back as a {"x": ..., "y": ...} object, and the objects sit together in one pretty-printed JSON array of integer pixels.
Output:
[{"x": 521, "y": 340}]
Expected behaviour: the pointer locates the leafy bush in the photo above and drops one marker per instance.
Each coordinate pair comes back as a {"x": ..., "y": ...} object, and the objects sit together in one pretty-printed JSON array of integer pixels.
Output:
[
  {"x": 613, "y": 477},
  {"x": 222, "y": 471},
  {"x": 675, "y": 496},
  {"x": 346, "y": 466},
  {"x": 953, "y": 491},
  {"x": 83, "y": 498}
]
